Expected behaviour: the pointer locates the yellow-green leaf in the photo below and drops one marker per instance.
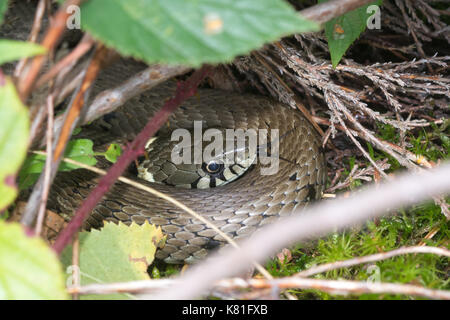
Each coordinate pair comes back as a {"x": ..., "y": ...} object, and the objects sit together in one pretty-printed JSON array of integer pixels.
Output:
[
  {"x": 14, "y": 129},
  {"x": 116, "y": 253},
  {"x": 11, "y": 50},
  {"x": 114, "y": 151},
  {"x": 29, "y": 269}
]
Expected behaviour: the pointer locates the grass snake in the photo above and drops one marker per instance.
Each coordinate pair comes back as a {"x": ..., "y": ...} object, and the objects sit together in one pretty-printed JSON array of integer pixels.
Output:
[{"x": 237, "y": 208}]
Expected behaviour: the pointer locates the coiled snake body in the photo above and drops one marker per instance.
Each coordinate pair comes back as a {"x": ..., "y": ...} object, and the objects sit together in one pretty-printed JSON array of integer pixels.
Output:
[{"x": 237, "y": 208}]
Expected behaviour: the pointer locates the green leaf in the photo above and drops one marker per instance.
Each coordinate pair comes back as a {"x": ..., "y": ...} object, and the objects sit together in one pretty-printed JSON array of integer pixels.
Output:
[
  {"x": 3, "y": 7},
  {"x": 29, "y": 269},
  {"x": 14, "y": 129},
  {"x": 116, "y": 253},
  {"x": 11, "y": 50},
  {"x": 26, "y": 181},
  {"x": 342, "y": 31},
  {"x": 79, "y": 150},
  {"x": 190, "y": 32},
  {"x": 114, "y": 151}
]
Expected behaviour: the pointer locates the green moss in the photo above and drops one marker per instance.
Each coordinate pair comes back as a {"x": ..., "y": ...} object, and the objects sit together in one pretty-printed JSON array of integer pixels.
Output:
[
  {"x": 434, "y": 144},
  {"x": 387, "y": 132},
  {"x": 405, "y": 228}
]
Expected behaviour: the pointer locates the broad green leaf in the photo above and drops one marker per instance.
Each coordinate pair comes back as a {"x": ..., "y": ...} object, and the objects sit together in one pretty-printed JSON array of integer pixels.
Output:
[
  {"x": 114, "y": 151},
  {"x": 190, "y": 32},
  {"x": 116, "y": 253},
  {"x": 29, "y": 269},
  {"x": 342, "y": 31},
  {"x": 14, "y": 129},
  {"x": 79, "y": 150},
  {"x": 27, "y": 180},
  {"x": 3, "y": 7},
  {"x": 11, "y": 50}
]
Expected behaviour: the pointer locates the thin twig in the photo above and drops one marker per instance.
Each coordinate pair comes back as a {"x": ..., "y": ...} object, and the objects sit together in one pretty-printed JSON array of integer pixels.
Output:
[
  {"x": 296, "y": 101},
  {"x": 332, "y": 101},
  {"x": 54, "y": 33},
  {"x": 110, "y": 99},
  {"x": 79, "y": 101},
  {"x": 184, "y": 91},
  {"x": 429, "y": 235},
  {"x": 314, "y": 221},
  {"x": 47, "y": 169},
  {"x": 326, "y": 11},
  {"x": 166, "y": 197},
  {"x": 71, "y": 116},
  {"x": 33, "y": 34},
  {"x": 402, "y": 151},
  {"x": 73, "y": 56},
  {"x": 76, "y": 277},
  {"x": 372, "y": 258},
  {"x": 339, "y": 287},
  {"x": 400, "y": 4}
]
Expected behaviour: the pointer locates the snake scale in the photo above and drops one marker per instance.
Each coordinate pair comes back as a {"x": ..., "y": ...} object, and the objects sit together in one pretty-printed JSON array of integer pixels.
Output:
[{"x": 237, "y": 208}]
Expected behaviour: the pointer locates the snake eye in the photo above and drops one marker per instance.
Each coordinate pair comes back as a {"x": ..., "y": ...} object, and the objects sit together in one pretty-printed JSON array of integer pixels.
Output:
[{"x": 213, "y": 167}]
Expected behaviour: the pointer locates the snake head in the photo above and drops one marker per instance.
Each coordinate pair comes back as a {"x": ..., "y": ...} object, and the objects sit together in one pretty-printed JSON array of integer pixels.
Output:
[{"x": 210, "y": 161}]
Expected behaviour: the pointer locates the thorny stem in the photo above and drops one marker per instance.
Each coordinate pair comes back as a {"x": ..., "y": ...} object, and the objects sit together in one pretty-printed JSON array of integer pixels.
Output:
[
  {"x": 314, "y": 221},
  {"x": 48, "y": 163},
  {"x": 166, "y": 197},
  {"x": 136, "y": 148}
]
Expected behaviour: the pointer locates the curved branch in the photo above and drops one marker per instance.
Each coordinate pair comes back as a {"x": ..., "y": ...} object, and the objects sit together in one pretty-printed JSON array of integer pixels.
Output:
[
  {"x": 332, "y": 9},
  {"x": 315, "y": 221},
  {"x": 184, "y": 91}
]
